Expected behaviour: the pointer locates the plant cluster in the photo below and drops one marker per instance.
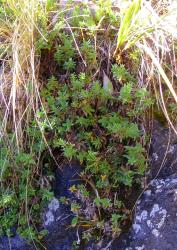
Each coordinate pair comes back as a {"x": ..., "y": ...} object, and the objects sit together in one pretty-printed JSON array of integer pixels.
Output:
[
  {"x": 101, "y": 130},
  {"x": 22, "y": 194}
]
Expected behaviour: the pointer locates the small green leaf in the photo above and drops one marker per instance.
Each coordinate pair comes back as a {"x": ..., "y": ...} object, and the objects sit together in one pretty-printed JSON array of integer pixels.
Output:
[
  {"x": 125, "y": 93},
  {"x": 74, "y": 221}
]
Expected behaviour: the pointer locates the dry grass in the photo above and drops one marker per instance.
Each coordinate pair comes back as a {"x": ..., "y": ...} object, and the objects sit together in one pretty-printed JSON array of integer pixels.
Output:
[
  {"x": 19, "y": 83},
  {"x": 151, "y": 26}
]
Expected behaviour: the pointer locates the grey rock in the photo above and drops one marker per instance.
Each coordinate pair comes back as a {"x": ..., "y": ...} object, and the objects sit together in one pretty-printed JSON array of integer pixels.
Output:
[
  {"x": 14, "y": 243},
  {"x": 155, "y": 221},
  {"x": 163, "y": 151},
  {"x": 57, "y": 217}
]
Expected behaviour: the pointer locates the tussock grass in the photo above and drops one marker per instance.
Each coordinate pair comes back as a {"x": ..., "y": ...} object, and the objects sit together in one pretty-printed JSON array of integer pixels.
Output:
[
  {"x": 151, "y": 26},
  {"x": 19, "y": 85}
]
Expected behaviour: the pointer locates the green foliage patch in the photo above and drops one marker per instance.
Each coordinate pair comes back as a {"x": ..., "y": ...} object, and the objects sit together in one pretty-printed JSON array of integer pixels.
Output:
[{"x": 101, "y": 131}]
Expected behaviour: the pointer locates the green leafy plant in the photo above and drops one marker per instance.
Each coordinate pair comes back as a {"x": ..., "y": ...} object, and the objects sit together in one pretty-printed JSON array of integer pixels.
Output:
[{"x": 90, "y": 127}]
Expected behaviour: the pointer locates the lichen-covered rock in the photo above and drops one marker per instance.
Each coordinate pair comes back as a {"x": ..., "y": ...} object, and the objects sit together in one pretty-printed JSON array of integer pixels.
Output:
[
  {"x": 14, "y": 243},
  {"x": 163, "y": 151},
  {"x": 57, "y": 217},
  {"x": 155, "y": 223}
]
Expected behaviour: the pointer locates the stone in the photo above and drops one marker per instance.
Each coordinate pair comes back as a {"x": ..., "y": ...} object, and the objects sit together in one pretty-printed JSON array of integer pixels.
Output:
[
  {"x": 163, "y": 143},
  {"x": 57, "y": 217},
  {"x": 14, "y": 243},
  {"x": 154, "y": 224}
]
